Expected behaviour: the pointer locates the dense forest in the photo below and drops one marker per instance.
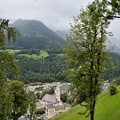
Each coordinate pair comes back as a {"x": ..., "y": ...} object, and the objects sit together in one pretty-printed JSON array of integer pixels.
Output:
[
  {"x": 52, "y": 68},
  {"x": 113, "y": 69},
  {"x": 46, "y": 69}
]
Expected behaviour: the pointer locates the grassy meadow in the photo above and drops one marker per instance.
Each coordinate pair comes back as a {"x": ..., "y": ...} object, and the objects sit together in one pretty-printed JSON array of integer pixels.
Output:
[
  {"x": 107, "y": 108},
  {"x": 13, "y": 51},
  {"x": 42, "y": 54}
]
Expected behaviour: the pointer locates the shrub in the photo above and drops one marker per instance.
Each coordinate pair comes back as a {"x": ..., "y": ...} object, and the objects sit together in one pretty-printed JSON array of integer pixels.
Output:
[
  {"x": 40, "y": 111},
  {"x": 113, "y": 90}
]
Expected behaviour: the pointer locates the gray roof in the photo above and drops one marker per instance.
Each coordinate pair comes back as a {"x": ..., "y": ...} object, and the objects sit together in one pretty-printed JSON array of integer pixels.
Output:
[
  {"x": 23, "y": 118},
  {"x": 60, "y": 107},
  {"x": 50, "y": 106},
  {"x": 67, "y": 105},
  {"x": 64, "y": 87},
  {"x": 49, "y": 98}
]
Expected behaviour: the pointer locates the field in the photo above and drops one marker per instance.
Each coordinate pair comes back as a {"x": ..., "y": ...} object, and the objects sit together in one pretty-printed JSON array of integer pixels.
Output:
[
  {"x": 13, "y": 51},
  {"x": 42, "y": 54},
  {"x": 107, "y": 108},
  {"x": 34, "y": 56}
]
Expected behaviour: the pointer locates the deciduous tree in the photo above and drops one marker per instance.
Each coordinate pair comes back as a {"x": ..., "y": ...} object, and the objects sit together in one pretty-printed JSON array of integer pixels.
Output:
[
  {"x": 6, "y": 102},
  {"x": 32, "y": 105},
  {"x": 7, "y": 63},
  {"x": 20, "y": 99},
  {"x": 86, "y": 53}
]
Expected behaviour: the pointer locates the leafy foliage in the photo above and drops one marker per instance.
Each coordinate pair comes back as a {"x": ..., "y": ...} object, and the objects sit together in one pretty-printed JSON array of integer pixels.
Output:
[
  {"x": 6, "y": 101},
  {"x": 63, "y": 97},
  {"x": 32, "y": 105},
  {"x": 7, "y": 64},
  {"x": 113, "y": 70},
  {"x": 46, "y": 69},
  {"x": 20, "y": 100},
  {"x": 40, "y": 111},
  {"x": 86, "y": 53},
  {"x": 113, "y": 90}
]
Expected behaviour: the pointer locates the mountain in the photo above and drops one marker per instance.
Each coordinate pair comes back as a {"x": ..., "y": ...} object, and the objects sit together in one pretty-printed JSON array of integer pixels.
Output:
[
  {"x": 34, "y": 34},
  {"x": 62, "y": 33},
  {"x": 113, "y": 44}
]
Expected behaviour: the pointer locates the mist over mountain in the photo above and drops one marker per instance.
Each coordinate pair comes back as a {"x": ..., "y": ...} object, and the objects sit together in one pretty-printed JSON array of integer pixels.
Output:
[
  {"x": 34, "y": 34},
  {"x": 62, "y": 33},
  {"x": 113, "y": 44}
]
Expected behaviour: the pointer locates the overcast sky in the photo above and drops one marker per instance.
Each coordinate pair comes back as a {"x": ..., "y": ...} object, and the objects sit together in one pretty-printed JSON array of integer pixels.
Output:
[{"x": 55, "y": 14}]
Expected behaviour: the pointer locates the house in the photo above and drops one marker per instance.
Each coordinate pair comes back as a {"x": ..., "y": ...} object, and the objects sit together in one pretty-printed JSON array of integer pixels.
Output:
[
  {"x": 33, "y": 88},
  {"x": 62, "y": 108},
  {"x": 53, "y": 103},
  {"x": 51, "y": 109},
  {"x": 64, "y": 88},
  {"x": 48, "y": 99},
  {"x": 52, "y": 99}
]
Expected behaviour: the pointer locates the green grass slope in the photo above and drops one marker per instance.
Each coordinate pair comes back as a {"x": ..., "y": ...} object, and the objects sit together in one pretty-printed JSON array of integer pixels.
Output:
[
  {"x": 34, "y": 56},
  {"x": 107, "y": 108}
]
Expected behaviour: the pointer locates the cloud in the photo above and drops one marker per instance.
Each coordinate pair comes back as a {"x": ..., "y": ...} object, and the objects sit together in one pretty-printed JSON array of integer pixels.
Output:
[{"x": 56, "y": 14}]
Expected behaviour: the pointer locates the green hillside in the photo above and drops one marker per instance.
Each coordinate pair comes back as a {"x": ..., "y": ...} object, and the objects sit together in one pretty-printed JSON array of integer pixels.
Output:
[
  {"x": 34, "y": 56},
  {"x": 107, "y": 108}
]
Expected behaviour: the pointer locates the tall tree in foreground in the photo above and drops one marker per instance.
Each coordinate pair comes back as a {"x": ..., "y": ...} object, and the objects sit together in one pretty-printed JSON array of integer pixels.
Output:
[
  {"x": 7, "y": 63},
  {"x": 20, "y": 99},
  {"x": 6, "y": 102},
  {"x": 86, "y": 53}
]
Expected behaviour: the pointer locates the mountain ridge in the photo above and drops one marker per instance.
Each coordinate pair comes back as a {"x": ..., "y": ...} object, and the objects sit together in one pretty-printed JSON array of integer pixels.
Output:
[{"x": 35, "y": 34}]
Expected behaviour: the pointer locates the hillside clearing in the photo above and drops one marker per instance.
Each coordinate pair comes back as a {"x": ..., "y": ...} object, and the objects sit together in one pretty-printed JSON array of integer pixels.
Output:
[
  {"x": 107, "y": 108},
  {"x": 43, "y": 54}
]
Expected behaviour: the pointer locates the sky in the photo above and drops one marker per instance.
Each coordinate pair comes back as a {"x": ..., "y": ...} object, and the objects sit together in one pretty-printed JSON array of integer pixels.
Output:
[{"x": 55, "y": 14}]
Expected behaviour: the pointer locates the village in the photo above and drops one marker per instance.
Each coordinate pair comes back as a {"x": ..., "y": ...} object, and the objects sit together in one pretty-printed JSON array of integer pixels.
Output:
[{"x": 51, "y": 103}]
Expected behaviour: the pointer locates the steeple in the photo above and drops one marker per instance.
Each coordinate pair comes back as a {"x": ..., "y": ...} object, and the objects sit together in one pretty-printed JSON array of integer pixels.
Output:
[{"x": 57, "y": 93}]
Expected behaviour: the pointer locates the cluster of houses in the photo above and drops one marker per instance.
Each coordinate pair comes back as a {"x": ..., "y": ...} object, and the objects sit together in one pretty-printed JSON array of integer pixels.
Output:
[{"x": 51, "y": 102}]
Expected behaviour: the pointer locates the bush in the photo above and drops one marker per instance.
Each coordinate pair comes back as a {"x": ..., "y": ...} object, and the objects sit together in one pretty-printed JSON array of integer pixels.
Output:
[
  {"x": 40, "y": 111},
  {"x": 113, "y": 90},
  {"x": 117, "y": 81},
  {"x": 63, "y": 97}
]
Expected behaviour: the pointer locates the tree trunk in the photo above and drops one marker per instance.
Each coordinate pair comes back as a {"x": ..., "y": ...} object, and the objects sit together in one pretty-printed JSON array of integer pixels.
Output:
[
  {"x": 92, "y": 115},
  {"x": 92, "y": 111}
]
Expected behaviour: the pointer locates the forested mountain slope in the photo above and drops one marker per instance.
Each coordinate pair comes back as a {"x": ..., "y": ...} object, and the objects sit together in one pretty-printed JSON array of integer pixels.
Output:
[{"x": 34, "y": 34}]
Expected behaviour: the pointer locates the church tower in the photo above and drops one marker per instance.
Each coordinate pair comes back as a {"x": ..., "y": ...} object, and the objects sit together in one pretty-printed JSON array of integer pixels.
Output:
[{"x": 57, "y": 93}]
